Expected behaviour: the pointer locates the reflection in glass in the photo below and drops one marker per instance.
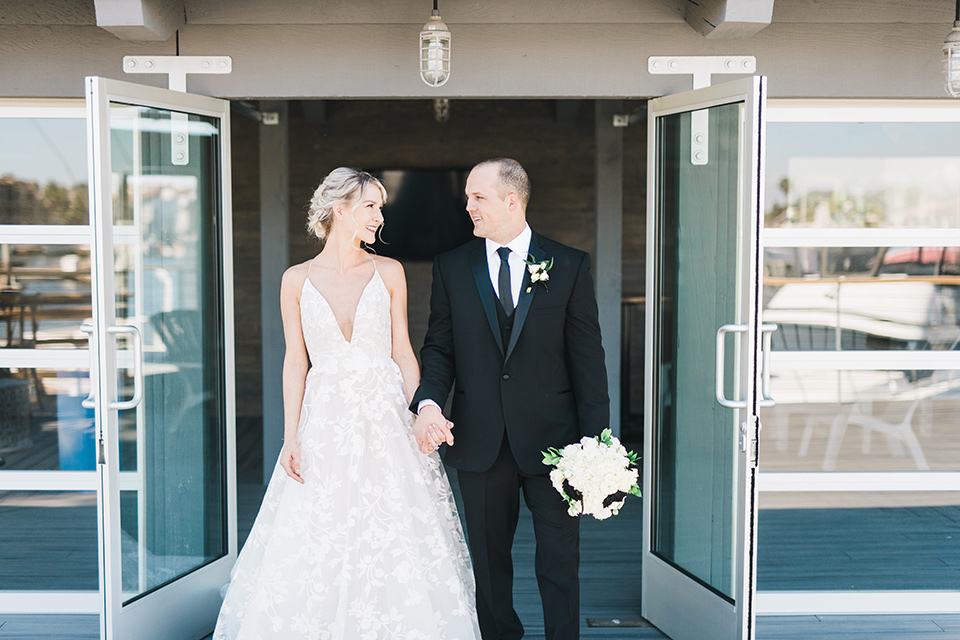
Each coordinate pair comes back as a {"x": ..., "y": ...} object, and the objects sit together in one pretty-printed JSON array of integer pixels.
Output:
[
  {"x": 167, "y": 283},
  {"x": 862, "y": 421},
  {"x": 694, "y": 438},
  {"x": 871, "y": 262},
  {"x": 42, "y": 425},
  {"x": 44, "y": 296},
  {"x": 855, "y": 541},
  {"x": 48, "y": 541},
  {"x": 862, "y": 175},
  {"x": 863, "y": 298},
  {"x": 43, "y": 171}
]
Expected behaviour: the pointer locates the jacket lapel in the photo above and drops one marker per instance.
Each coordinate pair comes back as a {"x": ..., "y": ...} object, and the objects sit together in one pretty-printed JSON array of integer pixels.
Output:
[
  {"x": 523, "y": 306},
  {"x": 481, "y": 273}
]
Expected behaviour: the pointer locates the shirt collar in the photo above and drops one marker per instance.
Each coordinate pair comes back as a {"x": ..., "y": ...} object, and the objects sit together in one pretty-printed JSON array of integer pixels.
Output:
[{"x": 519, "y": 245}]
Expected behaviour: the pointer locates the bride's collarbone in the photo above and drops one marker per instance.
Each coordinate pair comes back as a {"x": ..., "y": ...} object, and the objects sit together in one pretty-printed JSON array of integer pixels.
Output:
[{"x": 342, "y": 291}]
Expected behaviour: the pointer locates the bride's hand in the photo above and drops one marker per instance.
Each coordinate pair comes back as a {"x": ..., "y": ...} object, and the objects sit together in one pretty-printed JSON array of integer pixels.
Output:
[
  {"x": 431, "y": 429},
  {"x": 290, "y": 460}
]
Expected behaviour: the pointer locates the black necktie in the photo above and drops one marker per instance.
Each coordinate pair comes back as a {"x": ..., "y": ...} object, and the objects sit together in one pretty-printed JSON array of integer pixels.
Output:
[{"x": 506, "y": 291}]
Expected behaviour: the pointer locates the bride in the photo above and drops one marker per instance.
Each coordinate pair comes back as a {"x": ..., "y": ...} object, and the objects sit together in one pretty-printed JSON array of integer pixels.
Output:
[{"x": 358, "y": 534}]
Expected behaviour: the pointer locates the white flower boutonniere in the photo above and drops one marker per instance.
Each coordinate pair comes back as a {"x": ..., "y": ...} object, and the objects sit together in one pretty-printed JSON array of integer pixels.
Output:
[{"x": 538, "y": 272}]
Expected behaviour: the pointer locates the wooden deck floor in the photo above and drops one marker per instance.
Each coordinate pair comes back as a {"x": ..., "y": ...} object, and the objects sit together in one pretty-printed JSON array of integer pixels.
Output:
[
  {"x": 610, "y": 572},
  {"x": 942, "y": 627}
]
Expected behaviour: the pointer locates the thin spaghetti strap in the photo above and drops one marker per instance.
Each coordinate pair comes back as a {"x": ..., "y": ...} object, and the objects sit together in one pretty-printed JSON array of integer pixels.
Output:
[{"x": 306, "y": 278}]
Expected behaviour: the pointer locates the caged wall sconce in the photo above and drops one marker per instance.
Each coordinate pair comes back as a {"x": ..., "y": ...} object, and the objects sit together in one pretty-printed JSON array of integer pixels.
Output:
[
  {"x": 951, "y": 58},
  {"x": 435, "y": 50}
]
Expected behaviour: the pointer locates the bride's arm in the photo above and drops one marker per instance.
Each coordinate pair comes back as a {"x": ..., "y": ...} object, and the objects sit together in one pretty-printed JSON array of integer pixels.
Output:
[
  {"x": 424, "y": 432},
  {"x": 392, "y": 273},
  {"x": 295, "y": 365}
]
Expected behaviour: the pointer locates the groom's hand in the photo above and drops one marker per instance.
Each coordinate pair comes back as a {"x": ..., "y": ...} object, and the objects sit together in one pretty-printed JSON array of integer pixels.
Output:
[{"x": 431, "y": 429}]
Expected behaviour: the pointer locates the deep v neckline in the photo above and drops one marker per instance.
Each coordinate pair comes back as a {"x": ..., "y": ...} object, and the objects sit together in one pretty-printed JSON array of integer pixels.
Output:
[{"x": 376, "y": 272}]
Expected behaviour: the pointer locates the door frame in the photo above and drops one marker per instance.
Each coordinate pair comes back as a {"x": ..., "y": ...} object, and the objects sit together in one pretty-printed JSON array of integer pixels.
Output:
[
  {"x": 159, "y": 611},
  {"x": 669, "y": 594}
]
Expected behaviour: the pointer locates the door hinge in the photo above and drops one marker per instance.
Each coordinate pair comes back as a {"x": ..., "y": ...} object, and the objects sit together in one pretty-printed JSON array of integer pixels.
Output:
[
  {"x": 756, "y": 443},
  {"x": 750, "y": 442}
]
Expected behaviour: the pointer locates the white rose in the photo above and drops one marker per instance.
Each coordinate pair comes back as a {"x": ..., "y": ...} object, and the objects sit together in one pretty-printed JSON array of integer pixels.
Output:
[{"x": 556, "y": 477}]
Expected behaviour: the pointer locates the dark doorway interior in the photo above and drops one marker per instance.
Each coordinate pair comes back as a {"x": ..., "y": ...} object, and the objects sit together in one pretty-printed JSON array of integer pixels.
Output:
[{"x": 553, "y": 139}]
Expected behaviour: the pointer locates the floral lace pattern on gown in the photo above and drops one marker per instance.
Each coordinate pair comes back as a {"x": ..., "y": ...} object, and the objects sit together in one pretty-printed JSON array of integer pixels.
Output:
[{"x": 370, "y": 547}]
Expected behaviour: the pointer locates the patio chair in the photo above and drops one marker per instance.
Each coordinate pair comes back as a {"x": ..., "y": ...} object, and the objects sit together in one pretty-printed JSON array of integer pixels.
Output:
[{"x": 897, "y": 433}]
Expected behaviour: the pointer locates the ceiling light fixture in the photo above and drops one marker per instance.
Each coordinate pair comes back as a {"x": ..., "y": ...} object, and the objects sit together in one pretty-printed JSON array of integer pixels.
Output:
[
  {"x": 435, "y": 50},
  {"x": 951, "y": 58}
]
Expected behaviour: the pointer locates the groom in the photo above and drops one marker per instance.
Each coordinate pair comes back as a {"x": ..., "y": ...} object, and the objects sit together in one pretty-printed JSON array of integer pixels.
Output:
[{"x": 527, "y": 369}]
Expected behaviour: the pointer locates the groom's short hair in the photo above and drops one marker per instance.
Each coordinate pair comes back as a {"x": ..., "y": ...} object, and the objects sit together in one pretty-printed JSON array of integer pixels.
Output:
[{"x": 512, "y": 177}]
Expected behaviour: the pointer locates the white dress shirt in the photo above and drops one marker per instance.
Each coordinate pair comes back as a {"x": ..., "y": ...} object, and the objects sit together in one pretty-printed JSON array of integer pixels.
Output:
[
  {"x": 517, "y": 260},
  {"x": 519, "y": 247}
]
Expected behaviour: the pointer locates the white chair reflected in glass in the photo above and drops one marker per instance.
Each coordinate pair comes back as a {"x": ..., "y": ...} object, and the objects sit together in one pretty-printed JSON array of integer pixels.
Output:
[
  {"x": 919, "y": 388},
  {"x": 898, "y": 433}
]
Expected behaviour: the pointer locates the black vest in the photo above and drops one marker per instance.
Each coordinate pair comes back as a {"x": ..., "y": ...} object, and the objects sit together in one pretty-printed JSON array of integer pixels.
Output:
[{"x": 505, "y": 321}]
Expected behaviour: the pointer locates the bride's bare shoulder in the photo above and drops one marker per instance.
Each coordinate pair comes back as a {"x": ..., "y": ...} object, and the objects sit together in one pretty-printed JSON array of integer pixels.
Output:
[
  {"x": 390, "y": 270},
  {"x": 388, "y": 266},
  {"x": 294, "y": 277}
]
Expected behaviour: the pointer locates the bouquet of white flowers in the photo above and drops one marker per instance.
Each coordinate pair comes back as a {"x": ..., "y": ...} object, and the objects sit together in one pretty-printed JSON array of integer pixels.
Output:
[{"x": 595, "y": 475}]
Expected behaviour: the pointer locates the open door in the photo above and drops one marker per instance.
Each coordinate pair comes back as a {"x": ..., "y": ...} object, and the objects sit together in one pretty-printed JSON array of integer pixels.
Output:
[
  {"x": 703, "y": 335},
  {"x": 162, "y": 371}
]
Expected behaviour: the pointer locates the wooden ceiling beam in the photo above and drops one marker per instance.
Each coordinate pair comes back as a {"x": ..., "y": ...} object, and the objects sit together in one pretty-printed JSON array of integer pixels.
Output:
[
  {"x": 140, "y": 19},
  {"x": 728, "y": 19}
]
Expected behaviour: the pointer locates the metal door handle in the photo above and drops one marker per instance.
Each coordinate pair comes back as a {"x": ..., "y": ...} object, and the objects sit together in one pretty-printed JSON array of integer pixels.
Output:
[
  {"x": 721, "y": 332},
  {"x": 137, "y": 366},
  {"x": 90, "y": 402},
  {"x": 766, "y": 400}
]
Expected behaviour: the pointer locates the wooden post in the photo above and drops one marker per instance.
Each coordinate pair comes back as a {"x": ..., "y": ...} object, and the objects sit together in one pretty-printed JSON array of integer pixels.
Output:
[
  {"x": 608, "y": 261},
  {"x": 274, "y": 259}
]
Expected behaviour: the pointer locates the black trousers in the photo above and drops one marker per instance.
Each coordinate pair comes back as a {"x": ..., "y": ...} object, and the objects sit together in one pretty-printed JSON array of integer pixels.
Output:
[{"x": 491, "y": 507}]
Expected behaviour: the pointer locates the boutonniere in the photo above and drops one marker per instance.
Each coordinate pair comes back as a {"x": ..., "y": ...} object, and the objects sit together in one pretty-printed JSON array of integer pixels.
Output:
[{"x": 538, "y": 272}]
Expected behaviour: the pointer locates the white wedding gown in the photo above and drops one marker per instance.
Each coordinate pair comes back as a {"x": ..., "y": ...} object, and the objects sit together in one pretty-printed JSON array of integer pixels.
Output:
[{"x": 370, "y": 547}]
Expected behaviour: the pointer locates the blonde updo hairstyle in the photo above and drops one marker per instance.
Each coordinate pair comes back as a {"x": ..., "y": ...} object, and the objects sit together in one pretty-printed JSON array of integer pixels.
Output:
[{"x": 341, "y": 186}]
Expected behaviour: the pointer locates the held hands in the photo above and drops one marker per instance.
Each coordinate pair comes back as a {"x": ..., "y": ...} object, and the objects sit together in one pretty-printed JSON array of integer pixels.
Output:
[
  {"x": 431, "y": 429},
  {"x": 290, "y": 459}
]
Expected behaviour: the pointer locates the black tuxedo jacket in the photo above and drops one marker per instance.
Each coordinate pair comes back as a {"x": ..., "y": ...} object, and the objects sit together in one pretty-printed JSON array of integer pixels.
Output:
[{"x": 547, "y": 387}]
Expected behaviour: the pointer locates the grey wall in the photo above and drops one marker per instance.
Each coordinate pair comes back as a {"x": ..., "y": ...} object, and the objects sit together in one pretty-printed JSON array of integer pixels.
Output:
[{"x": 550, "y": 48}]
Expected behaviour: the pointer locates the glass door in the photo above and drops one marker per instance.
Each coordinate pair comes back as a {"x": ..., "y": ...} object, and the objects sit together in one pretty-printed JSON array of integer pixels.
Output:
[
  {"x": 48, "y": 501},
  {"x": 161, "y": 357},
  {"x": 700, "y": 462}
]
